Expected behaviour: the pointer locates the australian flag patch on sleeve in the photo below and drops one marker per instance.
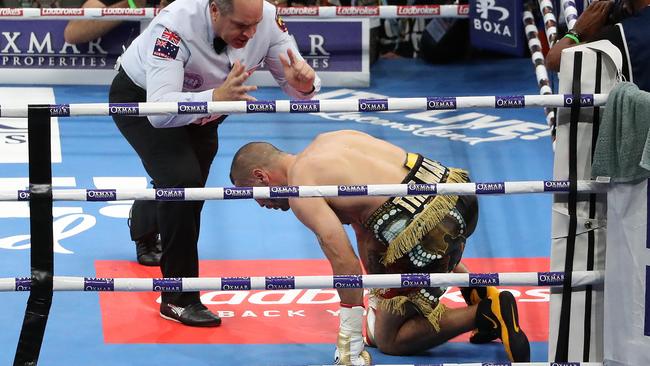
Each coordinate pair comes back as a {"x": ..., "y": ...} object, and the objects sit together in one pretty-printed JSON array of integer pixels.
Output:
[{"x": 165, "y": 49}]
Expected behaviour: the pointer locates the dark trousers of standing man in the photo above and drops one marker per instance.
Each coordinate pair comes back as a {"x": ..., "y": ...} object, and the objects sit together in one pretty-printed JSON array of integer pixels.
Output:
[{"x": 178, "y": 157}]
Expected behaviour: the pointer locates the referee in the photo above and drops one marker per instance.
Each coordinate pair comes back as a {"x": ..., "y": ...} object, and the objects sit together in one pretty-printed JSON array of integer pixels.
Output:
[{"x": 195, "y": 51}]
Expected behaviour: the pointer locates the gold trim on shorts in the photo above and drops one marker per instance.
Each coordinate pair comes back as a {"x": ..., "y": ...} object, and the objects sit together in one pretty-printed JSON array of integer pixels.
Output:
[{"x": 402, "y": 222}]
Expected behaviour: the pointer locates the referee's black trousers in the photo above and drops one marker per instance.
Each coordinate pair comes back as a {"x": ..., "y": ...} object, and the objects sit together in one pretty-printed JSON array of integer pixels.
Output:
[{"x": 177, "y": 157}]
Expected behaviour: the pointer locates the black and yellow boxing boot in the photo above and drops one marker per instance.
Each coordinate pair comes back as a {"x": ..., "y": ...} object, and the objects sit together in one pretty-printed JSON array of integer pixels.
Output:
[
  {"x": 472, "y": 296},
  {"x": 498, "y": 312}
]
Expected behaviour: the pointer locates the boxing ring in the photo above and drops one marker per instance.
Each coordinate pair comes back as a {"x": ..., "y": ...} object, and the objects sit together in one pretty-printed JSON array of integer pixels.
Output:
[{"x": 508, "y": 148}]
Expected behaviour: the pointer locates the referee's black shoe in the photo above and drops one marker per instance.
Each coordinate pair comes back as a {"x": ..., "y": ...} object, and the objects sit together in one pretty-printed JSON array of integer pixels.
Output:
[
  {"x": 499, "y": 313},
  {"x": 149, "y": 250},
  {"x": 195, "y": 315}
]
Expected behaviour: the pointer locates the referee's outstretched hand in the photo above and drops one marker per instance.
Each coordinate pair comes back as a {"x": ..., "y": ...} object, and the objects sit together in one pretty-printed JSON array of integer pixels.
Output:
[
  {"x": 298, "y": 73},
  {"x": 233, "y": 88}
]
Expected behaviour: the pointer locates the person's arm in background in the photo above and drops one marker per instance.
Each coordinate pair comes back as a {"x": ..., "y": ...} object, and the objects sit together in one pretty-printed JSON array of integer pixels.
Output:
[
  {"x": 81, "y": 31},
  {"x": 296, "y": 78},
  {"x": 588, "y": 26}
]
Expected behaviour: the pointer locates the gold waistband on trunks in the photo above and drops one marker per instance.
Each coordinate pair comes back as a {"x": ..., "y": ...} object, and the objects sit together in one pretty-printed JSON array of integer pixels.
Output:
[{"x": 402, "y": 222}]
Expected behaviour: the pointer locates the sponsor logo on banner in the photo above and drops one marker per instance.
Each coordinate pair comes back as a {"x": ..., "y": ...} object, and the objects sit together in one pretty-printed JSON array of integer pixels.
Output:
[
  {"x": 550, "y": 278},
  {"x": 11, "y": 12},
  {"x": 416, "y": 280},
  {"x": 490, "y": 188},
  {"x": 441, "y": 103},
  {"x": 463, "y": 9},
  {"x": 418, "y": 10},
  {"x": 60, "y": 110},
  {"x": 260, "y": 107},
  {"x": 59, "y": 12},
  {"x": 280, "y": 282},
  {"x": 565, "y": 363},
  {"x": 485, "y": 7},
  {"x": 556, "y": 186},
  {"x": 353, "y": 190},
  {"x": 99, "y": 195},
  {"x": 289, "y": 191},
  {"x": 420, "y": 188},
  {"x": 496, "y": 364},
  {"x": 23, "y": 284},
  {"x": 235, "y": 283},
  {"x": 40, "y": 44},
  {"x": 586, "y": 100},
  {"x": 192, "y": 107},
  {"x": 123, "y": 11},
  {"x": 23, "y": 195},
  {"x": 168, "y": 284},
  {"x": 305, "y": 11},
  {"x": 304, "y": 106},
  {"x": 237, "y": 193},
  {"x": 483, "y": 279},
  {"x": 357, "y": 10},
  {"x": 170, "y": 194},
  {"x": 328, "y": 45},
  {"x": 347, "y": 281},
  {"x": 99, "y": 284},
  {"x": 495, "y": 25},
  {"x": 515, "y": 101},
  {"x": 123, "y": 109},
  {"x": 281, "y": 315},
  {"x": 373, "y": 105}
]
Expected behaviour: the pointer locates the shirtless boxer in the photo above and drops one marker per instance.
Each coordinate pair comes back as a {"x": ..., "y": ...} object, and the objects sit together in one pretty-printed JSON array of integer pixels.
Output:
[{"x": 416, "y": 234}]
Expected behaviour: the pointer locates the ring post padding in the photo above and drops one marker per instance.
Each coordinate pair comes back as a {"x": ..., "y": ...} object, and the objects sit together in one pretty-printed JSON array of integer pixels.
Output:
[
  {"x": 40, "y": 220},
  {"x": 585, "y": 304}
]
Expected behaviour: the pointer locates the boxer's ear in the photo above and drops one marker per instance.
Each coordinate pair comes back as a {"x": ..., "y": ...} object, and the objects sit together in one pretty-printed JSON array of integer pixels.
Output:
[{"x": 260, "y": 176}]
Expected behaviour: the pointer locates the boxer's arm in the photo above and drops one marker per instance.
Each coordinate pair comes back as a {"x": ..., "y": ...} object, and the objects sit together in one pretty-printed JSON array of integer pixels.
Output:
[
  {"x": 317, "y": 215},
  {"x": 367, "y": 244}
]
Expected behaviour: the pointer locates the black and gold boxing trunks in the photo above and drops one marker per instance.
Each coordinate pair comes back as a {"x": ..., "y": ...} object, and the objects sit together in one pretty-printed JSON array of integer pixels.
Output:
[{"x": 422, "y": 234}]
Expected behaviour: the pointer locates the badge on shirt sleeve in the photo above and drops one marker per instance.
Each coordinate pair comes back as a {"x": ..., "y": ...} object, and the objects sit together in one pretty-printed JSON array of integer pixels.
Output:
[
  {"x": 171, "y": 36},
  {"x": 280, "y": 23},
  {"x": 165, "y": 49}
]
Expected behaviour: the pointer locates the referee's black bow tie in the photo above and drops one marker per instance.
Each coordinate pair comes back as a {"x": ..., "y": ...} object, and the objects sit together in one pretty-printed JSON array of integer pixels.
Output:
[{"x": 219, "y": 45}]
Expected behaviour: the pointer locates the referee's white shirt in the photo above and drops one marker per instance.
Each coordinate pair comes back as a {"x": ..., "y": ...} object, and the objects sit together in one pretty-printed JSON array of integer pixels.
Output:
[{"x": 174, "y": 59}]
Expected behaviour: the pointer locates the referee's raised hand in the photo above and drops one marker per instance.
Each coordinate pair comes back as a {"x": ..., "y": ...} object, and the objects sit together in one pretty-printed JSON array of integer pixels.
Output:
[
  {"x": 298, "y": 73},
  {"x": 233, "y": 88}
]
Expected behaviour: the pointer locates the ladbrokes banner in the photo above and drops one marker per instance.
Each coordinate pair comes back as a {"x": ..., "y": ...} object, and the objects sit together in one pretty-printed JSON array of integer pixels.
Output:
[
  {"x": 496, "y": 25},
  {"x": 34, "y": 52}
]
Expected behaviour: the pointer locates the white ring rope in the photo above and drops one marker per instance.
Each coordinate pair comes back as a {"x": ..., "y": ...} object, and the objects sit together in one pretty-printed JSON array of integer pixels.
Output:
[
  {"x": 537, "y": 56},
  {"x": 310, "y": 106},
  {"x": 384, "y": 11},
  {"x": 570, "y": 13},
  {"x": 550, "y": 22},
  {"x": 414, "y": 280},
  {"x": 276, "y": 192}
]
